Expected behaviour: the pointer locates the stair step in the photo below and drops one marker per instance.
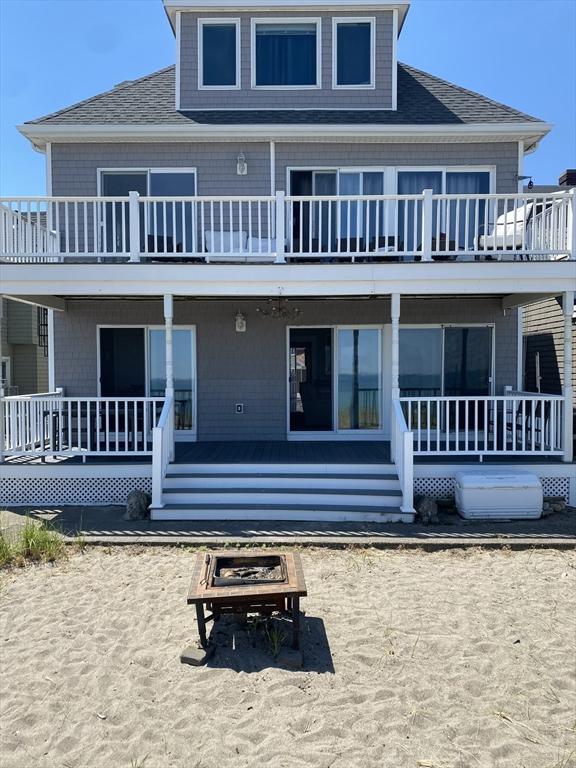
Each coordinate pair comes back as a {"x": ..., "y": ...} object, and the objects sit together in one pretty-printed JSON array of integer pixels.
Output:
[
  {"x": 282, "y": 482},
  {"x": 313, "y": 496},
  {"x": 276, "y": 469},
  {"x": 286, "y": 512},
  {"x": 287, "y": 475}
]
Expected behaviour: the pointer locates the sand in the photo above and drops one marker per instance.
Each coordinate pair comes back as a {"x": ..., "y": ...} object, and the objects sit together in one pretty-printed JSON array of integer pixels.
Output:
[{"x": 436, "y": 660}]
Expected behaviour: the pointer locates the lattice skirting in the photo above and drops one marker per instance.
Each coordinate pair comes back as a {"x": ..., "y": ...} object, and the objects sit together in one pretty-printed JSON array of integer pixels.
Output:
[
  {"x": 438, "y": 487},
  {"x": 70, "y": 490}
]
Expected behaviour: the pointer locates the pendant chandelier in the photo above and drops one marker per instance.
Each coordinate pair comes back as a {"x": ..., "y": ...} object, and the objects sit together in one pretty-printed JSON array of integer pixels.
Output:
[{"x": 278, "y": 308}]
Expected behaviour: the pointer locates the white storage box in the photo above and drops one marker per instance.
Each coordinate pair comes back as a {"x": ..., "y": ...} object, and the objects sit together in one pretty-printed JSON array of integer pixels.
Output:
[{"x": 493, "y": 495}]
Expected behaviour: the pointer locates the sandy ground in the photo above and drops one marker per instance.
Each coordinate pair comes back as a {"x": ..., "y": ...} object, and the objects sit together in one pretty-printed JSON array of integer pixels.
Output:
[{"x": 440, "y": 660}]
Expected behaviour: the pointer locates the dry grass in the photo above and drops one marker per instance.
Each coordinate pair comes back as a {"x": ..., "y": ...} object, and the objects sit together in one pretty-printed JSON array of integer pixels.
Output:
[{"x": 34, "y": 543}]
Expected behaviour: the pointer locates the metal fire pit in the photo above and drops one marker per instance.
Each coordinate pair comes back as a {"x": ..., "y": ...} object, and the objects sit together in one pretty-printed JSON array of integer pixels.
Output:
[{"x": 247, "y": 583}]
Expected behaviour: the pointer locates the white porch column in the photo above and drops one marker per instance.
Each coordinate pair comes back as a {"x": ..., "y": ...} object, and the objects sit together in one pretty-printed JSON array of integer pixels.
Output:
[
  {"x": 168, "y": 322},
  {"x": 395, "y": 310},
  {"x": 567, "y": 390}
]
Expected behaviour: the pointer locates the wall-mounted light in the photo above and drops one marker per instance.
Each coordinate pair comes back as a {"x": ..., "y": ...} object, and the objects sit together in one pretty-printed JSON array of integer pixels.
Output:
[
  {"x": 240, "y": 323},
  {"x": 523, "y": 178},
  {"x": 241, "y": 165}
]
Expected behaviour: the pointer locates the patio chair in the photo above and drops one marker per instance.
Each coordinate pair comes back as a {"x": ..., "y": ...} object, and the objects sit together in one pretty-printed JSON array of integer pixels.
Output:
[{"x": 507, "y": 234}]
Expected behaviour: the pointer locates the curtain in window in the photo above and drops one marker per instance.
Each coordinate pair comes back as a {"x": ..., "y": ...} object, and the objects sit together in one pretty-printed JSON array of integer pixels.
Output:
[
  {"x": 286, "y": 54},
  {"x": 354, "y": 54},
  {"x": 410, "y": 212},
  {"x": 458, "y": 215}
]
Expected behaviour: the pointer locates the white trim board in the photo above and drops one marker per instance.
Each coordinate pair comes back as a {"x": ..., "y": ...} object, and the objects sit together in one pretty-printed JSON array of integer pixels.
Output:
[
  {"x": 336, "y": 20},
  {"x": 226, "y": 21}
]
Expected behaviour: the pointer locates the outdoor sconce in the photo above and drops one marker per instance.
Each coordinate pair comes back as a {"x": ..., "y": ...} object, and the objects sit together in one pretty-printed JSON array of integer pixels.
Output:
[
  {"x": 240, "y": 323},
  {"x": 523, "y": 178},
  {"x": 242, "y": 165}
]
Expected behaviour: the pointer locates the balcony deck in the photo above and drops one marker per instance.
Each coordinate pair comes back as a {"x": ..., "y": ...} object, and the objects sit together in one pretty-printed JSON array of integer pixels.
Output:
[{"x": 375, "y": 229}]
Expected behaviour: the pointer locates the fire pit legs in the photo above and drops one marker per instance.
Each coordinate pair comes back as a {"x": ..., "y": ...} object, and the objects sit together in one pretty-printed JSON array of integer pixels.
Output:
[
  {"x": 296, "y": 623},
  {"x": 201, "y": 625}
]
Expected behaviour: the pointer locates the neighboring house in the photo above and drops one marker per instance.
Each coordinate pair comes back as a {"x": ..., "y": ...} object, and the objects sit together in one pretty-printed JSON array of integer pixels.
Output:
[
  {"x": 23, "y": 348},
  {"x": 285, "y": 276}
]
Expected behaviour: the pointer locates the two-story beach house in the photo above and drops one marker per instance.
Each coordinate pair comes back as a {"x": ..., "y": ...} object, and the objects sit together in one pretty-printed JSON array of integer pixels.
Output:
[{"x": 284, "y": 278}]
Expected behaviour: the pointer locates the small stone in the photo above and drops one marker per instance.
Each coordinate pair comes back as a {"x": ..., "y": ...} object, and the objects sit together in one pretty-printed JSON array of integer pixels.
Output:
[
  {"x": 137, "y": 505},
  {"x": 427, "y": 510},
  {"x": 290, "y": 658},
  {"x": 195, "y": 655}
]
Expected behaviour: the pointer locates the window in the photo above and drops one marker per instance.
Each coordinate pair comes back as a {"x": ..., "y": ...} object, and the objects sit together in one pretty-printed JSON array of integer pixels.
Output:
[
  {"x": 353, "y": 53},
  {"x": 218, "y": 53},
  {"x": 286, "y": 54}
]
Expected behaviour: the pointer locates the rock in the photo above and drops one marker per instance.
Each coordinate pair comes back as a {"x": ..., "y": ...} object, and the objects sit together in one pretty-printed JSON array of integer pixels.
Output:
[
  {"x": 553, "y": 504},
  {"x": 427, "y": 510},
  {"x": 195, "y": 655},
  {"x": 290, "y": 658},
  {"x": 137, "y": 505}
]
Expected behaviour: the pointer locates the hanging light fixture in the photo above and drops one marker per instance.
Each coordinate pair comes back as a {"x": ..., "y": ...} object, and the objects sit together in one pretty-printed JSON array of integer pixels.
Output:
[{"x": 278, "y": 308}]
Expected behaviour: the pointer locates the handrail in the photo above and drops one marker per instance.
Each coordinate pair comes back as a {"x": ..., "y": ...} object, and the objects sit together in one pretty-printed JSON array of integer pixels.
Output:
[
  {"x": 162, "y": 449},
  {"x": 279, "y": 228},
  {"x": 402, "y": 447}
]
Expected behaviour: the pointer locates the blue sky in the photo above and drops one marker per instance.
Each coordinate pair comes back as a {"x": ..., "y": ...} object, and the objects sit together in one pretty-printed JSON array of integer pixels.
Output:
[{"x": 56, "y": 52}]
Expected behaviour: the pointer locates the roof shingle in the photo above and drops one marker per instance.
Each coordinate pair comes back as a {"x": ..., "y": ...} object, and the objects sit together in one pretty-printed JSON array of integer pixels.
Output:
[{"x": 422, "y": 100}]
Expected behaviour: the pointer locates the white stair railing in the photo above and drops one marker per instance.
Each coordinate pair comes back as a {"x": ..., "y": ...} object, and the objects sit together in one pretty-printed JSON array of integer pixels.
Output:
[
  {"x": 162, "y": 449},
  {"x": 402, "y": 448}
]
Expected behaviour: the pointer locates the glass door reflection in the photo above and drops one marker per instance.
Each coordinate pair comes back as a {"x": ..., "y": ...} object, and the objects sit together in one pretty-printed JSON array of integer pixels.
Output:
[
  {"x": 184, "y": 373},
  {"x": 359, "y": 378}
]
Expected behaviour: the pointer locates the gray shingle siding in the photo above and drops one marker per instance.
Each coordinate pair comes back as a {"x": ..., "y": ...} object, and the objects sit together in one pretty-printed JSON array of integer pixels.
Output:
[
  {"x": 75, "y": 166},
  {"x": 247, "y": 98},
  {"x": 250, "y": 367}
]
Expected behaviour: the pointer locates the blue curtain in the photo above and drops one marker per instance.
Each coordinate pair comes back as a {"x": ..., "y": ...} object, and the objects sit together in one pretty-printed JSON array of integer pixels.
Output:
[
  {"x": 414, "y": 183},
  {"x": 286, "y": 55},
  {"x": 466, "y": 183}
]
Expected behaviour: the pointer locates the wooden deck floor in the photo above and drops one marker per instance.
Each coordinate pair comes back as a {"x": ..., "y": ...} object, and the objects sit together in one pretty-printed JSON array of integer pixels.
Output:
[{"x": 283, "y": 452}]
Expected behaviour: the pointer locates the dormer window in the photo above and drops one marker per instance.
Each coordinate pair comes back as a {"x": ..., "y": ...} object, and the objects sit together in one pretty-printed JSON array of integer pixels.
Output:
[
  {"x": 353, "y": 53},
  {"x": 285, "y": 53},
  {"x": 218, "y": 53}
]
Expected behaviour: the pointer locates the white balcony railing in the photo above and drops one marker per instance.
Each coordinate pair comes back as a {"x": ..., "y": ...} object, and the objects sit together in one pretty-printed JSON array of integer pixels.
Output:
[
  {"x": 402, "y": 450},
  {"x": 361, "y": 228},
  {"x": 162, "y": 449},
  {"x": 52, "y": 425},
  {"x": 512, "y": 424}
]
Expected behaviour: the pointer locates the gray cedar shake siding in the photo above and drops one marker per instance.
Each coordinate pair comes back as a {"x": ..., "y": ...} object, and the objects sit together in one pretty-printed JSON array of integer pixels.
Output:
[
  {"x": 75, "y": 166},
  {"x": 251, "y": 367},
  {"x": 326, "y": 97}
]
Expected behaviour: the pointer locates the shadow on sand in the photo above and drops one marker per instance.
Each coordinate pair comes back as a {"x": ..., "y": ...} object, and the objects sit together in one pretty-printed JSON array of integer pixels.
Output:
[{"x": 247, "y": 648}]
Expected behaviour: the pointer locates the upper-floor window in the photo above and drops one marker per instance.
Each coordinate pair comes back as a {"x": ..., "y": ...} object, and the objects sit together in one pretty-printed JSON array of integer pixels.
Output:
[
  {"x": 286, "y": 53},
  {"x": 353, "y": 53},
  {"x": 219, "y": 53}
]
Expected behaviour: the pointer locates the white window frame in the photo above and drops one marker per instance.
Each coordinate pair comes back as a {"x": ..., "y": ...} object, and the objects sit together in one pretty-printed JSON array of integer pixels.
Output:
[
  {"x": 354, "y": 20},
  {"x": 213, "y": 22},
  {"x": 185, "y": 435},
  {"x": 444, "y": 169},
  {"x": 279, "y": 22},
  {"x": 442, "y": 327},
  {"x": 337, "y": 433}
]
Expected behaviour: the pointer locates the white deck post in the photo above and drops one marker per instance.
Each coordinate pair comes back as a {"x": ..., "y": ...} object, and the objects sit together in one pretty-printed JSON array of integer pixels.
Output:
[
  {"x": 395, "y": 368},
  {"x": 134, "y": 233},
  {"x": 280, "y": 227},
  {"x": 427, "y": 212},
  {"x": 567, "y": 389},
  {"x": 168, "y": 332}
]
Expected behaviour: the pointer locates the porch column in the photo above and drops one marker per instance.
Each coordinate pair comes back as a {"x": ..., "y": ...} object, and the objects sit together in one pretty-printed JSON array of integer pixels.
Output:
[
  {"x": 395, "y": 346},
  {"x": 168, "y": 320},
  {"x": 567, "y": 389}
]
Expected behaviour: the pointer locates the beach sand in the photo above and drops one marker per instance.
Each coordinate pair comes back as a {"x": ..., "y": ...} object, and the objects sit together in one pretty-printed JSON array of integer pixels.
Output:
[{"x": 456, "y": 659}]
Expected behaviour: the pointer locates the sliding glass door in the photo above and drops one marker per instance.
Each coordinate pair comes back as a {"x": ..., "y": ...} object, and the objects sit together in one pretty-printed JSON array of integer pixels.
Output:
[
  {"x": 184, "y": 357},
  {"x": 335, "y": 380}
]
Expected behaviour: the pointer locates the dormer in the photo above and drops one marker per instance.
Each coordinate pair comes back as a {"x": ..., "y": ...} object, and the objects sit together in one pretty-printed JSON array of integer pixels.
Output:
[{"x": 320, "y": 55}]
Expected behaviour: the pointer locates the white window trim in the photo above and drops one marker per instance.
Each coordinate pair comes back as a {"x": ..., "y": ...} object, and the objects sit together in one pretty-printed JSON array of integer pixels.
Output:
[
  {"x": 212, "y": 22},
  {"x": 184, "y": 434},
  {"x": 147, "y": 171},
  {"x": 354, "y": 20},
  {"x": 388, "y": 171},
  {"x": 444, "y": 169},
  {"x": 442, "y": 326},
  {"x": 337, "y": 433},
  {"x": 279, "y": 21}
]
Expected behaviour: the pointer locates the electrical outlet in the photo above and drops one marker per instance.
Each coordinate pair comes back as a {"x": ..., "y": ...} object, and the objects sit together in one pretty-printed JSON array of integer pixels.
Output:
[{"x": 239, "y": 407}]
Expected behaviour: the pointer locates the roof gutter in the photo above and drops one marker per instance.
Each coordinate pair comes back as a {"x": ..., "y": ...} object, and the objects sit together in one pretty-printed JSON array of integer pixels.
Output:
[{"x": 39, "y": 134}]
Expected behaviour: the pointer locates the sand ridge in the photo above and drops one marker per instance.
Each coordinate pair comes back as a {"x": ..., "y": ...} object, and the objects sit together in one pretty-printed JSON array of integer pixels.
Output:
[{"x": 439, "y": 660}]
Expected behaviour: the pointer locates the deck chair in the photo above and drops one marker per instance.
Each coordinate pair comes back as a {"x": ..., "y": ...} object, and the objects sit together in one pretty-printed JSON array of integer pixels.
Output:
[{"x": 507, "y": 234}]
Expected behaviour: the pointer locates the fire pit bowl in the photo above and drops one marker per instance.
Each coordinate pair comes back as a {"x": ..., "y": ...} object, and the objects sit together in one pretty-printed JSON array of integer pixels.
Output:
[
  {"x": 259, "y": 582},
  {"x": 233, "y": 571}
]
